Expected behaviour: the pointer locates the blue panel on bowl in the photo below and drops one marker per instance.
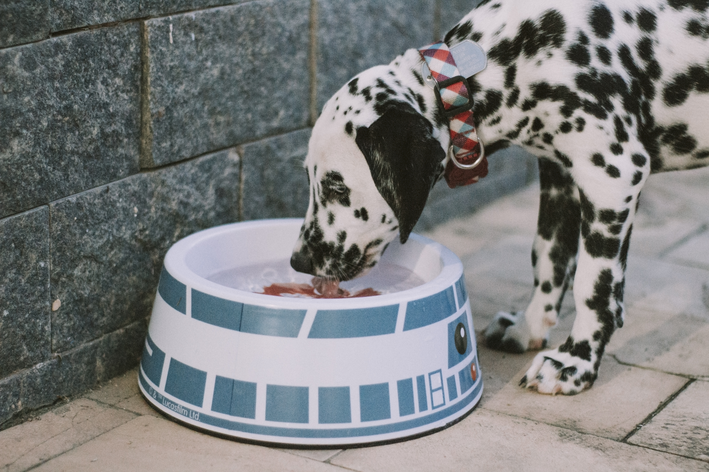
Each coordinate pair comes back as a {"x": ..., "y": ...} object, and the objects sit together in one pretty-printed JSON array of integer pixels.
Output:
[
  {"x": 461, "y": 292},
  {"x": 421, "y": 387},
  {"x": 216, "y": 311},
  {"x": 465, "y": 379},
  {"x": 435, "y": 380},
  {"x": 185, "y": 382},
  {"x": 287, "y": 404},
  {"x": 334, "y": 405},
  {"x": 234, "y": 397},
  {"x": 173, "y": 292},
  {"x": 374, "y": 402},
  {"x": 459, "y": 342},
  {"x": 152, "y": 361},
  {"x": 271, "y": 322},
  {"x": 221, "y": 400},
  {"x": 452, "y": 389},
  {"x": 405, "y": 388},
  {"x": 354, "y": 323},
  {"x": 429, "y": 310}
]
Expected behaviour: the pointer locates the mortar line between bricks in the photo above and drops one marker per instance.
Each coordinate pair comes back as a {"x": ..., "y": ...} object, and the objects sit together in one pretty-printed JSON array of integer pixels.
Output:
[
  {"x": 313, "y": 62},
  {"x": 651, "y": 369},
  {"x": 657, "y": 411},
  {"x": 701, "y": 229}
]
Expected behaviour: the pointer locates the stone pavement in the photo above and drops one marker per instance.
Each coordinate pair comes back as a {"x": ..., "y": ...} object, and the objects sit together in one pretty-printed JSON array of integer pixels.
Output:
[{"x": 649, "y": 408}]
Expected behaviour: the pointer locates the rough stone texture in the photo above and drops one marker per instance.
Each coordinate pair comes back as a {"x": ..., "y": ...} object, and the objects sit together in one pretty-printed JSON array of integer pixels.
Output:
[
  {"x": 22, "y": 21},
  {"x": 24, "y": 290},
  {"x": 509, "y": 169},
  {"x": 164, "y": 7},
  {"x": 223, "y": 76},
  {"x": 73, "y": 372},
  {"x": 70, "y": 14},
  {"x": 452, "y": 11},
  {"x": 70, "y": 113},
  {"x": 108, "y": 243},
  {"x": 275, "y": 183},
  {"x": 682, "y": 427},
  {"x": 354, "y": 35}
]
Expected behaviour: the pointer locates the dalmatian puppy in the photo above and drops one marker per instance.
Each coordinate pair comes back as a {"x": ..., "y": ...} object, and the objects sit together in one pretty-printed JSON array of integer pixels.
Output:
[{"x": 604, "y": 92}]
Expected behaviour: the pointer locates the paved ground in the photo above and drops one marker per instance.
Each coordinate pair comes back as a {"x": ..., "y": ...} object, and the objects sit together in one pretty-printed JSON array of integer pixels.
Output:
[{"x": 649, "y": 409}]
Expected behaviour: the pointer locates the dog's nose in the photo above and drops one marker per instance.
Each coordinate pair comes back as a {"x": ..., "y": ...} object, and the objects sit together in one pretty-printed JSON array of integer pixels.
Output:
[{"x": 301, "y": 262}]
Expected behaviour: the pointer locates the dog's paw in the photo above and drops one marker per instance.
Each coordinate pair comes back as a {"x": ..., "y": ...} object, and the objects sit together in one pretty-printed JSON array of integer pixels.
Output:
[
  {"x": 554, "y": 372},
  {"x": 509, "y": 332}
]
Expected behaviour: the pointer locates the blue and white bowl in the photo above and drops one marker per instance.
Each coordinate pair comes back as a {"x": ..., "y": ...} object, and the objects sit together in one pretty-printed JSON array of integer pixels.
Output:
[{"x": 318, "y": 372}]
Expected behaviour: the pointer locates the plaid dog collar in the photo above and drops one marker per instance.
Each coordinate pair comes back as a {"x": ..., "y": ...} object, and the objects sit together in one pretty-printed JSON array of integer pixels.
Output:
[{"x": 468, "y": 163}]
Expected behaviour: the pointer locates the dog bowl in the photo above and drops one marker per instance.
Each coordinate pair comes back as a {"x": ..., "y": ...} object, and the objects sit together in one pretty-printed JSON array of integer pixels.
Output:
[{"x": 317, "y": 372}]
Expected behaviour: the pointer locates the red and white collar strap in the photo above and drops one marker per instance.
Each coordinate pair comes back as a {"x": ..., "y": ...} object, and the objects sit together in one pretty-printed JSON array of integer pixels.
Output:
[{"x": 448, "y": 69}]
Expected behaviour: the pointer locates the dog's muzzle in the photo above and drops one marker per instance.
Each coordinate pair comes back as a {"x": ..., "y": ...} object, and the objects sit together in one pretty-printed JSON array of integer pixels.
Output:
[{"x": 302, "y": 262}]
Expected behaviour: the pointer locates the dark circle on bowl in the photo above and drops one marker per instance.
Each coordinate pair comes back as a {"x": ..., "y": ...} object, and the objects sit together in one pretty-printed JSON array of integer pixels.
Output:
[{"x": 461, "y": 338}]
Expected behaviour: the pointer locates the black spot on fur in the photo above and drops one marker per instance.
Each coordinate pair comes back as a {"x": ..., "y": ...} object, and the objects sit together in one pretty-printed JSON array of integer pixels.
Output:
[
  {"x": 637, "y": 177},
  {"x": 647, "y": 21},
  {"x": 678, "y": 90},
  {"x": 639, "y": 160},
  {"x": 546, "y": 287},
  {"x": 353, "y": 86},
  {"x": 613, "y": 171},
  {"x": 616, "y": 149},
  {"x": 579, "y": 55},
  {"x": 604, "y": 55},
  {"x": 598, "y": 160},
  {"x": 679, "y": 140},
  {"x": 601, "y": 21},
  {"x": 580, "y": 124},
  {"x": 330, "y": 218},
  {"x": 696, "y": 5},
  {"x": 348, "y": 128},
  {"x": 333, "y": 189},
  {"x": 566, "y": 127},
  {"x": 531, "y": 38}
]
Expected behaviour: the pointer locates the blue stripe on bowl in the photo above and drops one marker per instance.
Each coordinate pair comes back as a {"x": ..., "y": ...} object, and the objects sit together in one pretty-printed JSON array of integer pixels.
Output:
[
  {"x": 271, "y": 321},
  {"x": 405, "y": 389},
  {"x": 173, "y": 292},
  {"x": 304, "y": 432},
  {"x": 334, "y": 405},
  {"x": 216, "y": 311},
  {"x": 354, "y": 323},
  {"x": 152, "y": 363},
  {"x": 287, "y": 404},
  {"x": 454, "y": 357},
  {"x": 186, "y": 383},
  {"x": 461, "y": 291},
  {"x": 465, "y": 379},
  {"x": 429, "y": 310},
  {"x": 374, "y": 402}
]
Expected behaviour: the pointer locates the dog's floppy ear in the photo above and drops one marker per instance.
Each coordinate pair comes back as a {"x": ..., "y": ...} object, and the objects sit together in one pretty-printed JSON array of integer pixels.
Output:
[{"x": 405, "y": 161}]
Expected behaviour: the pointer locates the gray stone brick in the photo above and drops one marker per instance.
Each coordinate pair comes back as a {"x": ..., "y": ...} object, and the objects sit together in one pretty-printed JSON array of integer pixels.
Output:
[
  {"x": 24, "y": 290},
  {"x": 69, "y": 14},
  {"x": 452, "y": 11},
  {"x": 22, "y": 21},
  {"x": 354, "y": 35},
  {"x": 73, "y": 372},
  {"x": 70, "y": 112},
  {"x": 223, "y": 76},
  {"x": 164, "y": 7},
  {"x": 275, "y": 182},
  {"x": 108, "y": 243},
  {"x": 509, "y": 169}
]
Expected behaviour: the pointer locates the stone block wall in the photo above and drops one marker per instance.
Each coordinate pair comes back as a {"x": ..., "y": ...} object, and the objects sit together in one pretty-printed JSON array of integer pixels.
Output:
[{"x": 127, "y": 125}]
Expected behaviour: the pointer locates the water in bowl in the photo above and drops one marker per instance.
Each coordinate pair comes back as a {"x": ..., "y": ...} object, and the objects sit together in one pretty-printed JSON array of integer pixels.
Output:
[{"x": 384, "y": 278}]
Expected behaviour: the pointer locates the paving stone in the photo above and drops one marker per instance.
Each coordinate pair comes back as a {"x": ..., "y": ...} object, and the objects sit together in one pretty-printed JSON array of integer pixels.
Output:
[
  {"x": 693, "y": 253},
  {"x": 23, "y": 22},
  {"x": 108, "y": 243},
  {"x": 682, "y": 427},
  {"x": 24, "y": 290},
  {"x": 487, "y": 440},
  {"x": 354, "y": 35},
  {"x": 149, "y": 443},
  {"x": 117, "y": 389},
  {"x": 80, "y": 94},
  {"x": 320, "y": 455},
  {"x": 70, "y": 14},
  {"x": 56, "y": 432},
  {"x": 223, "y": 76},
  {"x": 621, "y": 398},
  {"x": 275, "y": 182},
  {"x": 668, "y": 341}
]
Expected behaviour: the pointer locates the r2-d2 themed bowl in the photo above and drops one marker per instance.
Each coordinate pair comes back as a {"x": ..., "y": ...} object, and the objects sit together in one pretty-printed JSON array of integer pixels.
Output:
[{"x": 309, "y": 372}]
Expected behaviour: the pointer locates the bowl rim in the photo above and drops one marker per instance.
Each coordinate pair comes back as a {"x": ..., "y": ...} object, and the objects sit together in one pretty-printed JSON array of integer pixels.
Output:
[{"x": 176, "y": 265}]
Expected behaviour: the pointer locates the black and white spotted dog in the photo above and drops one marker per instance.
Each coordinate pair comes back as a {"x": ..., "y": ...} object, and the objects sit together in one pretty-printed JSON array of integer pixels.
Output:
[{"x": 604, "y": 92}]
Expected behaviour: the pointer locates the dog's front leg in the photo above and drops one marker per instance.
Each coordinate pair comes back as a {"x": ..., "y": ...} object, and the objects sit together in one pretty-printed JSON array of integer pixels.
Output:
[
  {"x": 607, "y": 212},
  {"x": 553, "y": 261}
]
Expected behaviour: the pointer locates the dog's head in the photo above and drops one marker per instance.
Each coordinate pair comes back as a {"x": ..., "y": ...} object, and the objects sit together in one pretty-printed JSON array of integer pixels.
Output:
[{"x": 374, "y": 155}]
